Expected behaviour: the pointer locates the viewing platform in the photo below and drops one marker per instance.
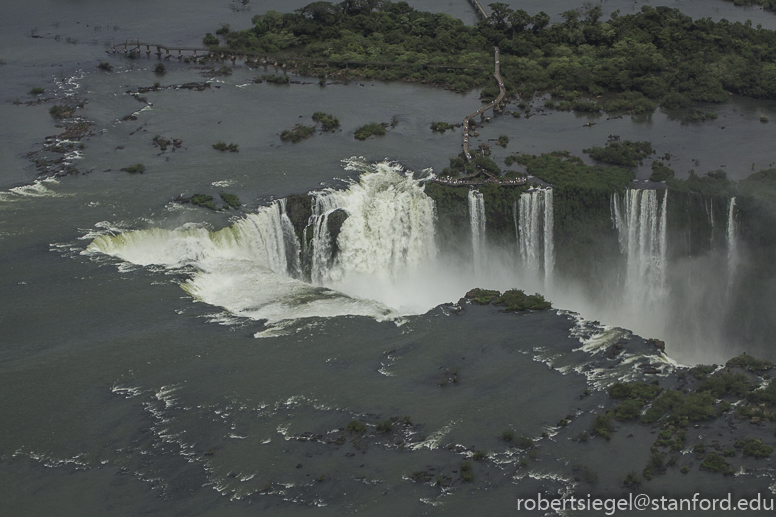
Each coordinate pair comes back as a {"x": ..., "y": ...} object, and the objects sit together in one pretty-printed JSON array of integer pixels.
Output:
[{"x": 465, "y": 182}]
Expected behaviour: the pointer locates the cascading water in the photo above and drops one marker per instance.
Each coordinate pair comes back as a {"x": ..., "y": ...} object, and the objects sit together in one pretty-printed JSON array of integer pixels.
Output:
[
  {"x": 321, "y": 252},
  {"x": 640, "y": 219},
  {"x": 549, "y": 243},
  {"x": 477, "y": 225},
  {"x": 390, "y": 225},
  {"x": 732, "y": 244},
  {"x": 534, "y": 220},
  {"x": 253, "y": 267}
]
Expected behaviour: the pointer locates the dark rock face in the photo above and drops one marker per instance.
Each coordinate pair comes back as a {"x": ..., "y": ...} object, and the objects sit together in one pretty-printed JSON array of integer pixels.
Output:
[
  {"x": 334, "y": 225},
  {"x": 299, "y": 209}
]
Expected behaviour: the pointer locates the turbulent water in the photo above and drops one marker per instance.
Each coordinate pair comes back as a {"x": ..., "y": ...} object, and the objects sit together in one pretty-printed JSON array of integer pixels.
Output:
[
  {"x": 252, "y": 268},
  {"x": 384, "y": 261},
  {"x": 130, "y": 377}
]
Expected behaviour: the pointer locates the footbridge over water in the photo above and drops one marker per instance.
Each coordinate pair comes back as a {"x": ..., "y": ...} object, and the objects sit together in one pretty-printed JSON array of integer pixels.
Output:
[
  {"x": 496, "y": 102},
  {"x": 481, "y": 12}
]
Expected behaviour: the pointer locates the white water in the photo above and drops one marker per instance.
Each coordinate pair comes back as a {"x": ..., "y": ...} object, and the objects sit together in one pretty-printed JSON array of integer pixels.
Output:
[
  {"x": 477, "y": 225},
  {"x": 321, "y": 252},
  {"x": 732, "y": 244},
  {"x": 387, "y": 264},
  {"x": 253, "y": 268},
  {"x": 534, "y": 220},
  {"x": 640, "y": 219}
]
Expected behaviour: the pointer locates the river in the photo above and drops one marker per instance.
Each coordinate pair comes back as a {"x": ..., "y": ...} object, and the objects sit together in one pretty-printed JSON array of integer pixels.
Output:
[{"x": 164, "y": 376}]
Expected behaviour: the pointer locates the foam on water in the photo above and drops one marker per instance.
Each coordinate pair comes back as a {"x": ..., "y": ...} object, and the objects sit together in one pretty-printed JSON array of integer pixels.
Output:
[{"x": 35, "y": 190}]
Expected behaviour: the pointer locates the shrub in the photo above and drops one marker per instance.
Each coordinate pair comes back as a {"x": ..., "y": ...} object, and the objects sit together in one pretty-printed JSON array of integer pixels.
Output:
[
  {"x": 507, "y": 436},
  {"x": 766, "y": 395},
  {"x": 203, "y": 200},
  {"x": 757, "y": 449},
  {"x": 367, "y": 130},
  {"x": 354, "y": 426},
  {"x": 223, "y": 146},
  {"x": 561, "y": 169},
  {"x": 60, "y": 112},
  {"x": 602, "y": 425},
  {"x": 137, "y": 168},
  {"x": 385, "y": 426},
  {"x": 210, "y": 40},
  {"x": 160, "y": 68},
  {"x": 104, "y": 65},
  {"x": 660, "y": 172},
  {"x": 631, "y": 480},
  {"x": 747, "y": 362},
  {"x": 724, "y": 383},
  {"x": 667, "y": 401},
  {"x": 696, "y": 406},
  {"x": 162, "y": 142},
  {"x": 625, "y": 153},
  {"x": 503, "y": 140},
  {"x": 300, "y": 132},
  {"x": 328, "y": 122},
  {"x": 702, "y": 371},
  {"x": 516, "y": 300},
  {"x": 441, "y": 127},
  {"x": 231, "y": 200},
  {"x": 482, "y": 296},
  {"x": 276, "y": 79},
  {"x": 633, "y": 390},
  {"x": 713, "y": 462},
  {"x": 628, "y": 410},
  {"x": 37, "y": 91}
]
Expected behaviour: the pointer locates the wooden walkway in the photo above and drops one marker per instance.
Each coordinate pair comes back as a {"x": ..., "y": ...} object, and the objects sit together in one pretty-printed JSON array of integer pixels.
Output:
[
  {"x": 464, "y": 182},
  {"x": 501, "y": 95},
  {"x": 481, "y": 12}
]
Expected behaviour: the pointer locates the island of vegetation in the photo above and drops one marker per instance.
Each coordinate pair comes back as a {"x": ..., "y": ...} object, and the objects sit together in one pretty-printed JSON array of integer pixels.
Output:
[
  {"x": 634, "y": 62},
  {"x": 299, "y": 133},
  {"x": 223, "y": 146},
  {"x": 327, "y": 122},
  {"x": 367, "y": 130}
]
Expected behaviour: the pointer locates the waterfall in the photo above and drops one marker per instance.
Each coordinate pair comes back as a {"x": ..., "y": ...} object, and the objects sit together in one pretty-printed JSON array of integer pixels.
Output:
[
  {"x": 732, "y": 244},
  {"x": 549, "y": 244},
  {"x": 389, "y": 226},
  {"x": 640, "y": 219},
  {"x": 385, "y": 245},
  {"x": 534, "y": 220},
  {"x": 321, "y": 252},
  {"x": 477, "y": 224}
]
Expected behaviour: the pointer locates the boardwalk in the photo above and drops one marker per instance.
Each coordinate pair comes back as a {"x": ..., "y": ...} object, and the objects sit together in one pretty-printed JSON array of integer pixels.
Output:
[
  {"x": 481, "y": 12},
  {"x": 502, "y": 93},
  {"x": 136, "y": 47},
  {"x": 463, "y": 182}
]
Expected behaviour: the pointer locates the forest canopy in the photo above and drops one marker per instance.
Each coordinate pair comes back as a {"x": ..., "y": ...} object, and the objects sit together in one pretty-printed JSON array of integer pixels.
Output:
[{"x": 657, "y": 54}]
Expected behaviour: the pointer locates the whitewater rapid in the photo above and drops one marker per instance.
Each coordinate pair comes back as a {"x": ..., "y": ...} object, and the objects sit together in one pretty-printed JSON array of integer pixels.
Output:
[{"x": 384, "y": 267}]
